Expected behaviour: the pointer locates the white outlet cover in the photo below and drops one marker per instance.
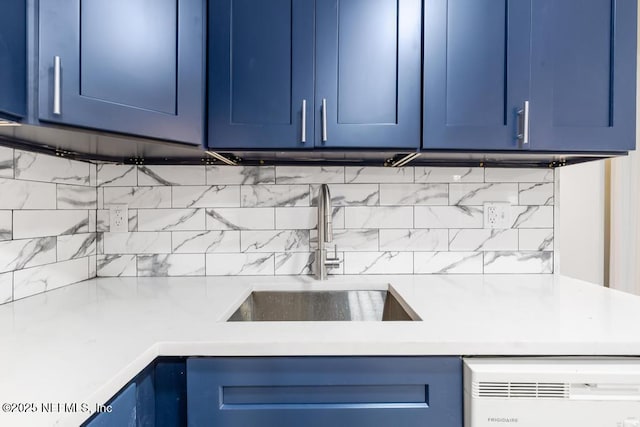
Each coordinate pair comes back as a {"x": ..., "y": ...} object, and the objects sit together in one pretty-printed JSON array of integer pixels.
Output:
[
  {"x": 119, "y": 218},
  {"x": 497, "y": 215}
]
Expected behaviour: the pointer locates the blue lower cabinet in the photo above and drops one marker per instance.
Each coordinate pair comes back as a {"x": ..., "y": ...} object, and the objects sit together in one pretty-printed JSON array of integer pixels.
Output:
[
  {"x": 146, "y": 398},
  {"x": 123, "y": 411},
  {"x": 157, "y": 397},
  {"x": 324, "y": 391},
  {"x": 170, "y": 389}
]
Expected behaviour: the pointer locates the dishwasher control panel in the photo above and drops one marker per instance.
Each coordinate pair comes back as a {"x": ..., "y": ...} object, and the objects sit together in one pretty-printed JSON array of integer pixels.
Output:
[{"x": 552, "y": 392}]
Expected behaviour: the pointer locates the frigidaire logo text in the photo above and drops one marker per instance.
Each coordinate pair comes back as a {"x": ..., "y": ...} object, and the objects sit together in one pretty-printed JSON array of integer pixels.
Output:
[{"x": 502, "y": 420}]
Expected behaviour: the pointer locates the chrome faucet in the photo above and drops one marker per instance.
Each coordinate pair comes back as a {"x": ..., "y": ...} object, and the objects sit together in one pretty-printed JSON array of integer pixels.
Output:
[{"x": 325, "y": 234}]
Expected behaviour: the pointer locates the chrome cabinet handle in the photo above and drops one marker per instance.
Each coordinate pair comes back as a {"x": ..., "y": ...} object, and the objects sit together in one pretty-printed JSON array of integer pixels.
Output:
[
  {"x": 523, "y": 124},
  {"x": 56, "y": 85},
  {"x": 304, "y": 121},
  {"x": 324, "y": 120}
]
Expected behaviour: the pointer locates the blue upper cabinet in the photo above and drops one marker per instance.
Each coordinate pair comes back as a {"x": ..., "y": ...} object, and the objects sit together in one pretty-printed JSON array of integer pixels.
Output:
[
  {"x": 476, "y": 73},
  {"x": 157, "y": 397},
  {"x": 127, "y": 66},
  {"x": 13, "y": 59},
  {"x": 261, "y": 74},
  {"x": 273, "y": 63},
  {"x": 573, "y": 63},
  {"x": 368, "y": 64},
  {"x": 583, "y": 87}
]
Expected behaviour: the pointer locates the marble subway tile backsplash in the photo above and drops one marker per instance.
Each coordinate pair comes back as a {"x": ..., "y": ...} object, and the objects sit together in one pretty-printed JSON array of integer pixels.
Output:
[
  {"x": 36, "y": 223},
  {"x": 30, "y": 166},
  {"x": 6, "y": 164},
  {"x": 225, "y": 220},
  {"x": 240, "y": 219},
  {"x": 136, "y": 197},
  {"x": 36, "y": 280},
  {"x": 6, "y": 225},
  {"x": 165, "y": 265},
  {"x": 247, "y": 220},
  {"x": 27, "y": 194},
  {"x": 47, "y": 223}
]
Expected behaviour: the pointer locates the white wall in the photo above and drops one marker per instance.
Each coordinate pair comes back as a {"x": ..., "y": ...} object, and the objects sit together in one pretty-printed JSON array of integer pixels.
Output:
[
  {"x": 625, "y": 215},
  {"x": 580, "y": 226},
  {"x": 625, "y": 224}
]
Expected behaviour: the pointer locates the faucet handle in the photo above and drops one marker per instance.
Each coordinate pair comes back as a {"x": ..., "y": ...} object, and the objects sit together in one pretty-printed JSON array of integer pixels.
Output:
[{"x": 335, "y": 261}]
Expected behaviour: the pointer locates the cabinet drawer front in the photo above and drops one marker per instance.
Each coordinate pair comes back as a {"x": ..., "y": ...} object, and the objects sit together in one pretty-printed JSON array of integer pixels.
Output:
[{"x": 321, "y": 391}]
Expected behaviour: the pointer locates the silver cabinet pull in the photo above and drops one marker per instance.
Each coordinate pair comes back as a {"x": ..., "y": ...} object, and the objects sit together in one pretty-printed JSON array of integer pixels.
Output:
[
  {"x": 523, "y": 124},
  {"x": 56, "y": 85},
  {"x": 324, "y": 120},
  {"x": 304, "y": 121}
]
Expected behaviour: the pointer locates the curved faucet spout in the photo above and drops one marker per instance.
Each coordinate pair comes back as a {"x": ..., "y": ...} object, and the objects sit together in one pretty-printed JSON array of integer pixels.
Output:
[{"x": 325, "y": 213}]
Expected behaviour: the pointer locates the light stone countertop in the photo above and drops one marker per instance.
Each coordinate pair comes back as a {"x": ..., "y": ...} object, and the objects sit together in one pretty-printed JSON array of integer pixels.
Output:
[{"x": 82, "y": 343}]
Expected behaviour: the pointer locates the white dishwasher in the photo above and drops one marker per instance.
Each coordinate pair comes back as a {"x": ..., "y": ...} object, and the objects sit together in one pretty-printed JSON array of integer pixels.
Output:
[{"x": 552, "y": 392}]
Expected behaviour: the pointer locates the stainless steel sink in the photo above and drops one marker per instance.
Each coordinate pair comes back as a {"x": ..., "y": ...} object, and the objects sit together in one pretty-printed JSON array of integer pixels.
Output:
[{"x": 347, "y": 305}]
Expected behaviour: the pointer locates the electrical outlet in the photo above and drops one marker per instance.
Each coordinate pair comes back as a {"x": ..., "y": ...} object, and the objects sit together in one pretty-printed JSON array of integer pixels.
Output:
[
  {"x": 497, "y": 215},
  {"x": 118, "y": 218}
]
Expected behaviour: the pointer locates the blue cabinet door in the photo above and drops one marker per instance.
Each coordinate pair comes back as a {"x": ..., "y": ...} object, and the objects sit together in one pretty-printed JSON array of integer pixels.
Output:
[
  {"x": 368, "y": 64},
  {"x": 261, "y": 74},
  {"x": 13, "y": 59},
  {"x": 583, "y": 83},
  {"x": 476, "y": 73},
  {"x": 123, "y": 411},
  {"x": 127, "y": 66},
  {"x": 170, "y": 387},
  {"x": 325, "y": 391}
]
